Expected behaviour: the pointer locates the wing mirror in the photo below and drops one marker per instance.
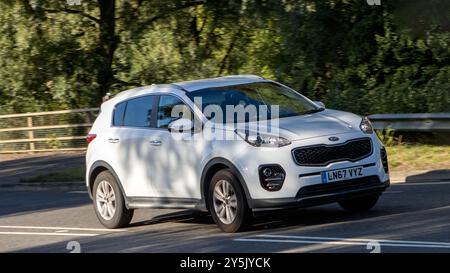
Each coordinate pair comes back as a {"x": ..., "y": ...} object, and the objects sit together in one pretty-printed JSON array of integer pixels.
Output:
[
  {"x": 319, "y": 103},
  {"x": 181, "y": 125}
]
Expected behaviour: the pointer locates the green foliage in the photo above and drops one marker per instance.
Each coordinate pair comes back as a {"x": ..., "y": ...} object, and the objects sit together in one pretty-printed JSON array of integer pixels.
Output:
[
  {"x": 387, "y": 136},
  {"x": 352, "y": 56},
  {"x": 53, "y": 142}
]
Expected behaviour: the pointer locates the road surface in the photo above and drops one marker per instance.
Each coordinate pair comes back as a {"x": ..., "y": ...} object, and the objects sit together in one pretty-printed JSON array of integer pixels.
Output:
[{"x": 410, "y": 217}]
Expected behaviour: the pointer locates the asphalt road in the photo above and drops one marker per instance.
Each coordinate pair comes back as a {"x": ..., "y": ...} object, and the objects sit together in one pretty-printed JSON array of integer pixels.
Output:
[{"x": 410, "y": 217}]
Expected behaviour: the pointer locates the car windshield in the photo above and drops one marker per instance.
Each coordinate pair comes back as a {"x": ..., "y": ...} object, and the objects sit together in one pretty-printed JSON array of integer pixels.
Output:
[{"x": 270, "y": 101}]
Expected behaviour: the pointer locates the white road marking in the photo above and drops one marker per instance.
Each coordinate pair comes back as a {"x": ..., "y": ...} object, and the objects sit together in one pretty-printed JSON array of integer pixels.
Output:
[
  {"x": 48, "y": 234},
  {"x": 63, "y": 228},
  {"x": 268, "y": 238}
]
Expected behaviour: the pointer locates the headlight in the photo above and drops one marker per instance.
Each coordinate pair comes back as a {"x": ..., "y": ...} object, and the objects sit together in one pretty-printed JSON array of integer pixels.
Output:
[
  {"x": 262, "y": 140},
  {"x": 366, "y": 126}
]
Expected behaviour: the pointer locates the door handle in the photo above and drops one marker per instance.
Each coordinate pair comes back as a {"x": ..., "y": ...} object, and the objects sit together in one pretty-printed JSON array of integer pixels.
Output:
[
  {"x": 155, "y": 142},
  {"x": 113, "y": 140}
]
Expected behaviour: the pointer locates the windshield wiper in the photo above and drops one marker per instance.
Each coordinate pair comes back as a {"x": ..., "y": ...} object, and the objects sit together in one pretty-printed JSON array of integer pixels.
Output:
[{"x": 312, "y": 111}]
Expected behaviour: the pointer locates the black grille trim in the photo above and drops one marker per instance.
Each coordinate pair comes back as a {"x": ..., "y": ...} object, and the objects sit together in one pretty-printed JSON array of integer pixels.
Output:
[
  {"x": 338, "y": 187},
  {"x": 338, "y": 158}
]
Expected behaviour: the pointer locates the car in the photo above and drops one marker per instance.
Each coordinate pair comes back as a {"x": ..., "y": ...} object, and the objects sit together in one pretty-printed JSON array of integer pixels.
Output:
[{"x": 178, "y": 146}]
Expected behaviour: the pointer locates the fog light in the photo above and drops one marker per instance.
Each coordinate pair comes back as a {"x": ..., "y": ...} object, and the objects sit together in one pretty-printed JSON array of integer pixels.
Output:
[
  {"x": 271, "y": 177},
  {"x": 267, "y": 172}
]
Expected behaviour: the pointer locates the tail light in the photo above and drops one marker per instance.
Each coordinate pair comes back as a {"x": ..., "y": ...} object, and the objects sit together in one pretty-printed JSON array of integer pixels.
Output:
[
  {"x": 90, "y": 137},
  {"x": 384, "y": 160}
]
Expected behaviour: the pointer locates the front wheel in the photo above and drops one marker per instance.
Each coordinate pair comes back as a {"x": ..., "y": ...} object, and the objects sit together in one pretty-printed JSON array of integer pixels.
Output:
[
  {"x": 227, "y": 202},
  {"x": 109, "y": 203},
  {"x": 359, "y": 204}
]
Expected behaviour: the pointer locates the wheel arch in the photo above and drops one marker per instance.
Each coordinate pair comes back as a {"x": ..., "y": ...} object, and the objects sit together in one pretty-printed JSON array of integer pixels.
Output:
[
  {"x": 96, "y": 168},
  {"x": 215, "y": 165}
]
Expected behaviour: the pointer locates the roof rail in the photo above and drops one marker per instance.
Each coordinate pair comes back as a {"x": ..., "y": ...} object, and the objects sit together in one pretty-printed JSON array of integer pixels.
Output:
[{"x": 251, "y": 76}]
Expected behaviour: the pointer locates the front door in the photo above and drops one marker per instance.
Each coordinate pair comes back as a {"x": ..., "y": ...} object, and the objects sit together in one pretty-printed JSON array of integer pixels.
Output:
[{"x": 177, "y": 156}]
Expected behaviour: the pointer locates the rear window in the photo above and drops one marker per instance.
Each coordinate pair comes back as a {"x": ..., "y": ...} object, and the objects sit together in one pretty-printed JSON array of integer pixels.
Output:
[
  {"x": 119, "y": 112},
  {"x": 138, "y": 112}
]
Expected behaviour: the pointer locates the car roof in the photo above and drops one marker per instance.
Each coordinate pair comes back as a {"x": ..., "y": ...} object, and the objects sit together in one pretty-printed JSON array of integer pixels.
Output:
[{"x": 190, "y": 86}]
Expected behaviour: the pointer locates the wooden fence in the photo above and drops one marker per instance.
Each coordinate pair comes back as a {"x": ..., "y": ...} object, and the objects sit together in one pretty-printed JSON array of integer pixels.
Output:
[{"x": 46, "y": 131}]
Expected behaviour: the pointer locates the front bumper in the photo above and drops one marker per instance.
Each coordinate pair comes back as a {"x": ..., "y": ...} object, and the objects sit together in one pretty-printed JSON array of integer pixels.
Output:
[{"x": 320, "y": 194}]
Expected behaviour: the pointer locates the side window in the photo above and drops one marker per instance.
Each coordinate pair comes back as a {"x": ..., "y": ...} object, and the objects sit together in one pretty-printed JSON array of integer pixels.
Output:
[
  {"x": 138, "y": 112},
  {"x": 171, "y": 108},
  {"x": 119, "y": 111}
]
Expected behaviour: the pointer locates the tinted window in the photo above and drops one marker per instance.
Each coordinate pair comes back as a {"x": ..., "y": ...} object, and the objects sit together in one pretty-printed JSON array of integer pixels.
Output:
[
  {"x": 138, "y": 112},
  {"x": 255, "y": 95},
  {"x": 119, "y": 110},
  {"x": 171, "y": 108}
]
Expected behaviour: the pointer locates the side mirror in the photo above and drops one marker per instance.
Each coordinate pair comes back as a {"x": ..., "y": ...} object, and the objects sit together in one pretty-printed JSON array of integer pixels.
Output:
[
  {"x": 181, "y": 125},
  {"x": 321, "y": 104}
]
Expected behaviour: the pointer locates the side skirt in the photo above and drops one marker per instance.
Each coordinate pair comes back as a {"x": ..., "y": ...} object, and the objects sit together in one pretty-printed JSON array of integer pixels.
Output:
[{"x": 165, "y": 203}]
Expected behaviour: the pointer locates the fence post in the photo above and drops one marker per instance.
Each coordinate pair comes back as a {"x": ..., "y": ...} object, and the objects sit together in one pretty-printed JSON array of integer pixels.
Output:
[{"x": 30, "y": 132}]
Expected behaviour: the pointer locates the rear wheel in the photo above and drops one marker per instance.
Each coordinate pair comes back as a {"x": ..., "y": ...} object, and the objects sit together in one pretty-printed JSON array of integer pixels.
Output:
[
  {"x": 359, "y": 204},
  {"x": 227, "y": 203},
  {"x": 109, "y": 203}
]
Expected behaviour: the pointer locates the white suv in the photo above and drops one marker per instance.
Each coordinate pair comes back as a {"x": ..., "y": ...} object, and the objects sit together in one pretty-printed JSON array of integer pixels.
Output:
[{"x": 178, "y": 146}]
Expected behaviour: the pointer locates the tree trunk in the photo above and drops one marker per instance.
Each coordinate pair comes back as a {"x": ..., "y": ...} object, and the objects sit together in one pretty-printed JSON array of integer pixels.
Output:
[{"x": 107, "y": 45}]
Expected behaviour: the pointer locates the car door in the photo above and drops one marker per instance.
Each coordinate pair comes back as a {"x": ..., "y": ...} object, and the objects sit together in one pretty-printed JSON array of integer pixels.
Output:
[
  {"x": 132, "y": 140},
  {"x": 177, "y": 168}
]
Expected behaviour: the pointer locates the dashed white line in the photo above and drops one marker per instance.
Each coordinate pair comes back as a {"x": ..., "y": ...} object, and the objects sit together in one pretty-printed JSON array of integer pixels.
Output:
[
  {"x": 48, "y": 234},
  {"x": 268, "y": 238},
  {"x": 62, "y": 228}
]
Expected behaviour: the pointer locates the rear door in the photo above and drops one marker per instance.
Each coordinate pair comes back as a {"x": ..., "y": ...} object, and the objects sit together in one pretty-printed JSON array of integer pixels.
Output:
[{"x": 131, "y": 139}]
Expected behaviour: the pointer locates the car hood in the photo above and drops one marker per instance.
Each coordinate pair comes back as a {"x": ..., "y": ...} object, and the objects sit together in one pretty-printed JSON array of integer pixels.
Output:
[{"x": 324, "y": 123}]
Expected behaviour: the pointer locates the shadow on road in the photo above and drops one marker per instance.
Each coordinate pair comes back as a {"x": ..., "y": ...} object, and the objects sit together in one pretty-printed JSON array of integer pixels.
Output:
[
  {"x": 430, "y": 176},
  {"x": 407, "y": 212},
  {"x": 27, "y": 202},
  {"x": 12, "y": 170}
]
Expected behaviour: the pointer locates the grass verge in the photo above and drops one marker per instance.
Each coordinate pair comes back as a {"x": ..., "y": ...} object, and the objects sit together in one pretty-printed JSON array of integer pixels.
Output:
[
  {"x": 64, "y": 175},
  {"x": 418, "y": 157}
]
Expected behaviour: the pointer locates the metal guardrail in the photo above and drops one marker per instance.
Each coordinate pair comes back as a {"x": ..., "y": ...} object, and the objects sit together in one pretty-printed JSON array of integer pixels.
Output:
[{"x": 427, "y": 122}]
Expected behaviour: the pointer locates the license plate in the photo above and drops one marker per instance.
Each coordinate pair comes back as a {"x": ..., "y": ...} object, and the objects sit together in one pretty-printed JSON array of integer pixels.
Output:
[{"x": 342, "y": 174}]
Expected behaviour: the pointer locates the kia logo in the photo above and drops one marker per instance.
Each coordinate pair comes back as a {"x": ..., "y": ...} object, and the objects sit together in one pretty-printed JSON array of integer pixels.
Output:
[{"x": 333, "y": 138}]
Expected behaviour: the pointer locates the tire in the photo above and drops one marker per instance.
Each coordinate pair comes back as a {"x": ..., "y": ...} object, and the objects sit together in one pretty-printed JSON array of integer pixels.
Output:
[
  {"x": 359, "y": 204},
  {"x": 222, "y": 209},
  {"x": 114, "y": 213}
]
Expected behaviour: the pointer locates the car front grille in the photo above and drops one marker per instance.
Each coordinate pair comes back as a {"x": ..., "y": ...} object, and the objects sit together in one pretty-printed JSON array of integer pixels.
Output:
[
  {"x": 338, "y": 187},
  {"x": 321, "y": 155}
]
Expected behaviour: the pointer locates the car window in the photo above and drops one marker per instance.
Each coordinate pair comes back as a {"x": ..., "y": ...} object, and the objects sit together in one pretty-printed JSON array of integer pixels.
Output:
[
  {"x": 138, "y": 112},
  {"x": 289, "y": 103},
  {"x": 119, "y": 111},
  {"x": 171, "y": 108}
]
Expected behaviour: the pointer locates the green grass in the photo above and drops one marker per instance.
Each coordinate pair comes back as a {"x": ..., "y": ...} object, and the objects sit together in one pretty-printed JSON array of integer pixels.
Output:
[
  {"x": 64, "y": 175},
  {"x": 418, "y": 157}
]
